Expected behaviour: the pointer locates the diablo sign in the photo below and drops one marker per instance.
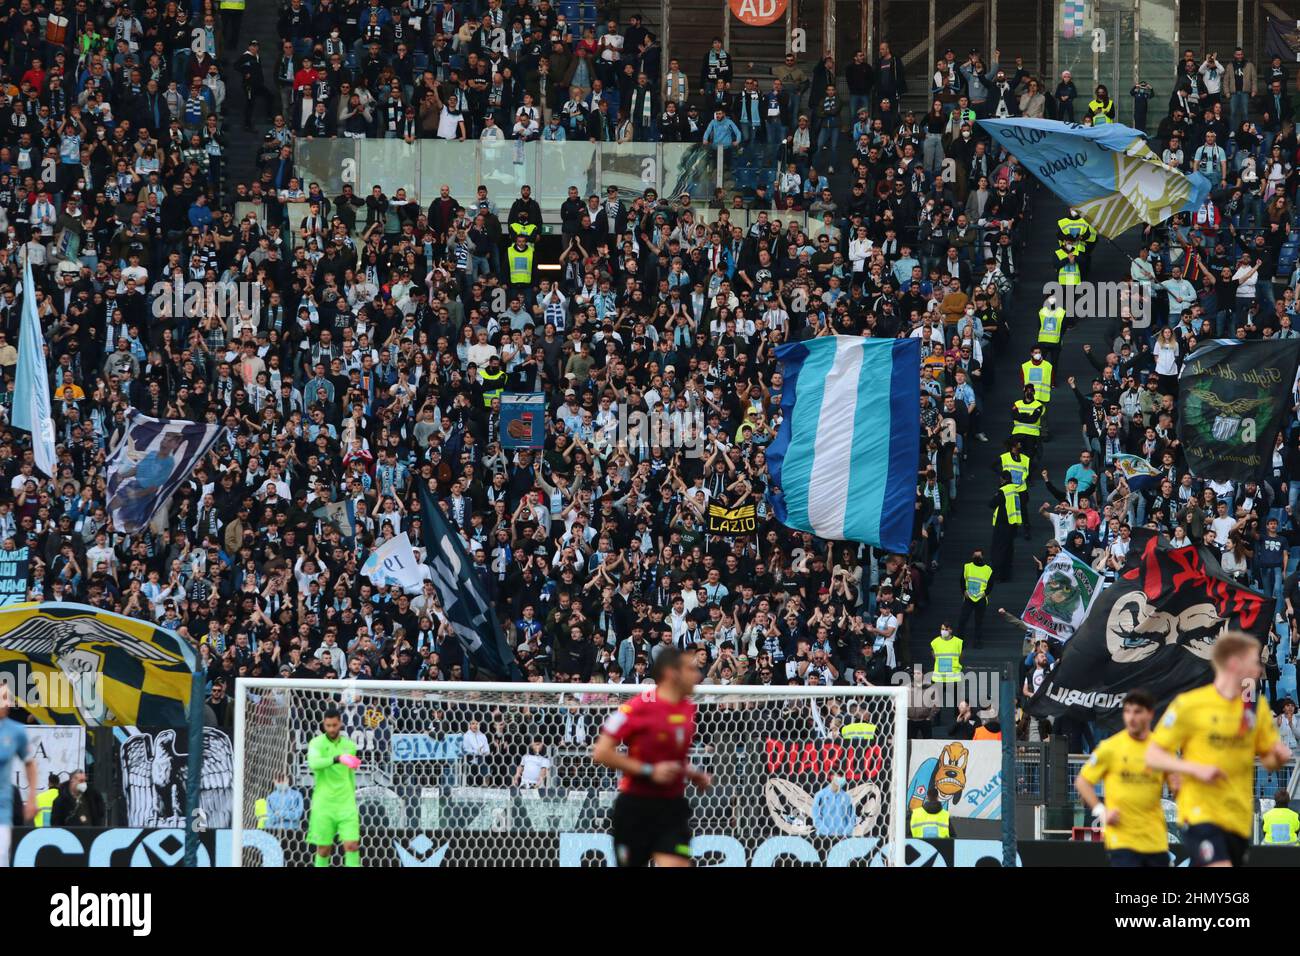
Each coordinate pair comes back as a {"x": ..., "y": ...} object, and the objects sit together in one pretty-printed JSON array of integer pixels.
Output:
[{"x": 758, "y": 13}]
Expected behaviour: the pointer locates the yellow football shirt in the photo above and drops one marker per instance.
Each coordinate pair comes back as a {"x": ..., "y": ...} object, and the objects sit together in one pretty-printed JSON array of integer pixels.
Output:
[
  {"x": 1228, "y": 734},
  {"x": 1119, "y": 764}
]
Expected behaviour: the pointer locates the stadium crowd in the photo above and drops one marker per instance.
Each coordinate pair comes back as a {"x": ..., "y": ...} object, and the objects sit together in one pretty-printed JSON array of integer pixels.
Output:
[{"x": 378, "y": 346}]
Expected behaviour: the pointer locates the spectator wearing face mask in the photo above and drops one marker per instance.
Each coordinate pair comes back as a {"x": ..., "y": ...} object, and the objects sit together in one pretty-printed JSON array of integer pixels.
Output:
[{"x": 77, "y": 805}]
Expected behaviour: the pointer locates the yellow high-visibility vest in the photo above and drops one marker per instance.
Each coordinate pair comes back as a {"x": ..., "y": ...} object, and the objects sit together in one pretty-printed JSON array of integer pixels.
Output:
[
  {"x": 525, "y": 229},
  {"x": 493, "y": 385},
  {"x": 947, "y": 659},
  {"x": 929, "y": 826},
  {"x": 1281, "y": 827},
  {"x": 1010, "y": 505},
  {"x": 1098, "y": 110},
  {"x": 45, "y": 806},
  {"x": 1034, "y": 428},
  {"x": 260, "y": 812},
  {"x": 1050, "y": 325},
  {"x": 1039, "y": 376},
  {"x": 521, "y": 265},
  {"x": 1018, "y": 466},
  {"x": 977, "y": 579},
  {"x": 232, "y": 4}
]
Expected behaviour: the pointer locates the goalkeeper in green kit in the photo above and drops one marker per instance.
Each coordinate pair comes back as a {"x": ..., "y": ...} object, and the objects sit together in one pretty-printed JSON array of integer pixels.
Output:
[{"x": 333, "y": 761}]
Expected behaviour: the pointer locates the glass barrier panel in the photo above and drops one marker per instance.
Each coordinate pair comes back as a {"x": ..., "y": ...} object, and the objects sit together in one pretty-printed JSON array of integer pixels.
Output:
[
  {"x": 563, "y": 165},
  {"x": 454, "y": 165},
  {"x": 504, "y": 168}
]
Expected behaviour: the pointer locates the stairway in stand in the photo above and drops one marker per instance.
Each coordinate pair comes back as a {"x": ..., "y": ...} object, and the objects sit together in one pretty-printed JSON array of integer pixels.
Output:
[{"x": 259, "y": 23}]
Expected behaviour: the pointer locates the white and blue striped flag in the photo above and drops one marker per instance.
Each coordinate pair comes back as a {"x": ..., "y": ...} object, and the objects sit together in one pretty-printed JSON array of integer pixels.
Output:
[
  {"x": 31, "y": 410},
  {"x": 844, "y": 462}
]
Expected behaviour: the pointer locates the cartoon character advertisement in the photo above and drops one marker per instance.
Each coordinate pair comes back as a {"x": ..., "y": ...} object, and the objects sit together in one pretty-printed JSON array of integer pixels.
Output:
[{"x": 966, "y": 773}]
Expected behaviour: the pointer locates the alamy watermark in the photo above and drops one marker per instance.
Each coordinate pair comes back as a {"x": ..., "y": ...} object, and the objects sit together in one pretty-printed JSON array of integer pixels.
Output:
[
  {"x": 82, "y": 691},
  {"x": 1103, "y": 300},
  {"x": 674, "y": 430},
  {"x": 237, "y": 303},
  {"x": 977, "y": 688}
]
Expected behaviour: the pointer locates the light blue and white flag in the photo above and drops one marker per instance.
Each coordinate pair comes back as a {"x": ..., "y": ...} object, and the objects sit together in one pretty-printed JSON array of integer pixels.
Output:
[
  {"x": 845, "y": 458},
  {"x": 1137, "y": 471},
  {"x": 395, "y": 562},
  {"x": 1107, "y": 172},
  {"x": 31, "y": 409}
]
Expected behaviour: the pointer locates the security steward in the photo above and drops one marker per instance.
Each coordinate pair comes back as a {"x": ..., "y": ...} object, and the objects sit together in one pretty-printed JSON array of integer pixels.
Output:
[
  {"x": 492, "y": 380},
  {"x": 1038, "y": 372},
  {"x": 976, "y": 582},
  {"x": 1051, "y": 325},
  {"x": 1281, "y": 825},
  {"x": 520, "y": 266},
  {"x": 45, "y": 801},
  {"x": 1027, "y": 421},
  {"x": 947, "y": 656},
  {"x": 930, "y": 821},
  {"x": 1007, "y": 520}
]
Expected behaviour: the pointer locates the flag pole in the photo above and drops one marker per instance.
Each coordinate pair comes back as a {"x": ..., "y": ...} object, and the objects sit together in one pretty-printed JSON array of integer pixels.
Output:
[{"x": 194, "y": 823}]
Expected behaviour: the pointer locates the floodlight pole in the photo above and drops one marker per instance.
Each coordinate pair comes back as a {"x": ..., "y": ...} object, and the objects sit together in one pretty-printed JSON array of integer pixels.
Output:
[{"x": 194, "y": 774}]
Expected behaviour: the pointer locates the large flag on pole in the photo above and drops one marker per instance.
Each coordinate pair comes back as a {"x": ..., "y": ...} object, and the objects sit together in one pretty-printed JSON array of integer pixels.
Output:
[
  {"x": 844, "y": 461},
  {"x": 1107, "y": 172},
  {"x": 394, "y": 562},
  {"x": 149, "y": 463},
  {"x": 1234, "y": 397},
  {"x": 461, "y": 593},
  {"x": 31, "y": 409}
]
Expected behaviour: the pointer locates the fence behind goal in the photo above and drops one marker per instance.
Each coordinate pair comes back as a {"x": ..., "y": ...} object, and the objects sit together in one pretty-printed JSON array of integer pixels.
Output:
[{"x": 465, "y": 774}]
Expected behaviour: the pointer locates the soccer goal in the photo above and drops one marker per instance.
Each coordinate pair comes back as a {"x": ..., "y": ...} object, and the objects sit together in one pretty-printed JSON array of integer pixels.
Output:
[{"x": 469, "y": 774}]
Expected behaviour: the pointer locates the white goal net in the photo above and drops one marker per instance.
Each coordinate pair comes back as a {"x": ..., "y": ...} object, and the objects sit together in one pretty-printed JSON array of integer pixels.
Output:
[{"x": 501, "y": 774}]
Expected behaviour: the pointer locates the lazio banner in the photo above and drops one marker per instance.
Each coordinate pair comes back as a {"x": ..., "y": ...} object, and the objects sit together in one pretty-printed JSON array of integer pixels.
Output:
[
  {"x": 1107, "y": 172},
  {"x": 75, "y": 664},
  {"x": 1234, "y": 396},
  {"x": 742, "y": 520}
]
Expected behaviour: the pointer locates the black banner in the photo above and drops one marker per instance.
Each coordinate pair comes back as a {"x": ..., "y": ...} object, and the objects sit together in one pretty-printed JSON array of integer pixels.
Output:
[
  {"x": 742, "y": 520},
  {"x": 1282, "y": 39},
  {"x": 1233, "y": 397},
  {"x": 1154, "y": 628},
  {"x": 464, "y": 599}
]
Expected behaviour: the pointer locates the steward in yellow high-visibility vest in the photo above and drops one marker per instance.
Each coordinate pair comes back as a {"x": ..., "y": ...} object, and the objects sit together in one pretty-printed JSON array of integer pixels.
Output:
[
  {"x": 931, "y": 820},
  {"x": 260, "y": 812},
  {"x": 524, "y": 228},
  {"x": 1102, "y": 111},
  {"x": 1007, "y": 504},
  {"x": 1007, "y": 519},
  {"x": 493, "y": 380},
  {"x": 947, "y": 655},
  {"x": 1069, "y": 272},
  {"x": 1038, "y": 373},
  {"x": 1051, "y": 323},
  {"x": 45, "y": 803},
  {"x": 1016, "y": 464},
  {"x": 1281, "y": 825},
  {"x": 232, "y": 12},
  {"x": 976, "y": 579},
  {"x": 1027, "y": 419},
  {"x": 519, "y": 261}
]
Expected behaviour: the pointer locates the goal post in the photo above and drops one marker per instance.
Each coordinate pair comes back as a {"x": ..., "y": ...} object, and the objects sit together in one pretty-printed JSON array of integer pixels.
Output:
[{"x": 500, "y": 774}]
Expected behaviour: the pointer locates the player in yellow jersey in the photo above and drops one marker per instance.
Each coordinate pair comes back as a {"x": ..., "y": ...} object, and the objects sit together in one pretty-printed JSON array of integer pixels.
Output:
[
  {"x": 1210, "y": 738},
  {"x": 1132, "y": 819}
]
